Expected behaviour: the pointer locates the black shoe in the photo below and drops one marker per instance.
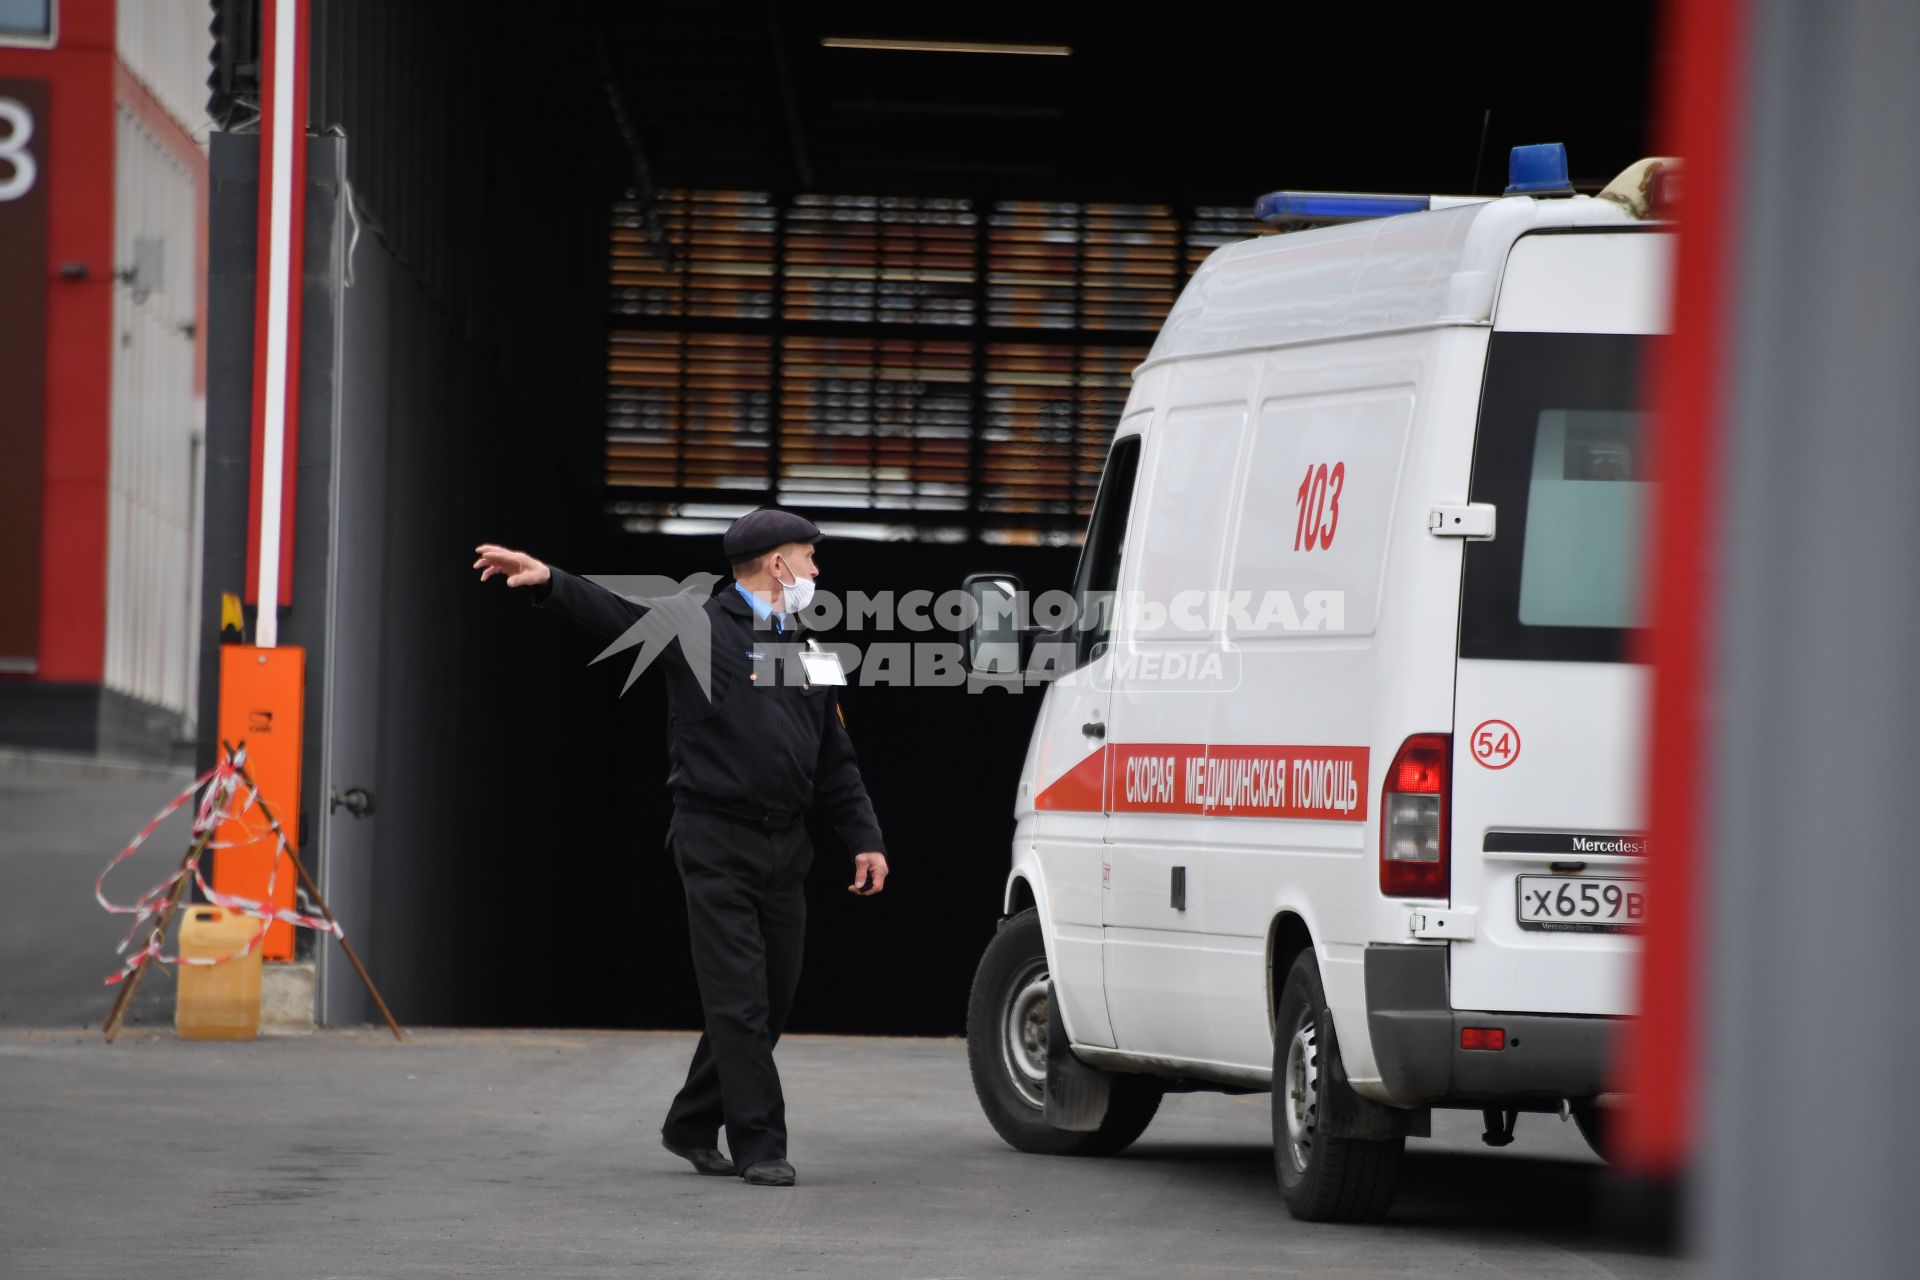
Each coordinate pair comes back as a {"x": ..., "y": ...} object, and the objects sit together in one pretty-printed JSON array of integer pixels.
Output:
[
  {"x": 768, "y": 1173},
  {"x": 707, "y": 1160}
]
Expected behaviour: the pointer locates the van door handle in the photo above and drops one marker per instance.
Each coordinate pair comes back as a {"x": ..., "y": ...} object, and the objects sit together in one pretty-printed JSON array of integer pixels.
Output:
[{"x": 1094, "y": 729}]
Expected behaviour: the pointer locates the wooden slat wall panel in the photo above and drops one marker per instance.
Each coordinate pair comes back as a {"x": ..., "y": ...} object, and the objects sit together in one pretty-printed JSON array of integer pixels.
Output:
[
  {"x": 1050, "y": 413},
  {"x": 881, "y": 424},
  {"x": 1211, "y": 226},
  {"x": 1130, "y": 267},
  {"x": 688, "y": 411},
  {"x": 861, "y": 259},
  {"x": 723, "y": 245},
  {"x": 1032, "y": 264},
  {"x": 935, "y": 365}
]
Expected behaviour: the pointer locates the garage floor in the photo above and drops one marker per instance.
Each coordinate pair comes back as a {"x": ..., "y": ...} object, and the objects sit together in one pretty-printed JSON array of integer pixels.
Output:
[{"x": 513, "y": 1154}]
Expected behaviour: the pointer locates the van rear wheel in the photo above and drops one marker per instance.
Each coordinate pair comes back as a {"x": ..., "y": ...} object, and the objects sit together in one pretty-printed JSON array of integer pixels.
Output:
[
  {"x": 1008, "y": 1016},
  {"x": 1323, "y": 1178}
]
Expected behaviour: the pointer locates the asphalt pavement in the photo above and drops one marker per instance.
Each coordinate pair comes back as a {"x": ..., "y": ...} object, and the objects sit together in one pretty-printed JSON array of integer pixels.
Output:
[
  {"x": 506, "y": 1153},
  {"x": 534, "y": 1153},
  {"x": 61, "y": 821}
]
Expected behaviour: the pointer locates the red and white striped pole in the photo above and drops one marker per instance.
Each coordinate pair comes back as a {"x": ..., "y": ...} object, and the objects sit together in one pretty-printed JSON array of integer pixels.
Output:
[{"x": 276, "y": 329}]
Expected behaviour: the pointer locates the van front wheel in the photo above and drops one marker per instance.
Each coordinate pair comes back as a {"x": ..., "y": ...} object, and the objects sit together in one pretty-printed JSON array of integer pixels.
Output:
[
  {"x": 1322, "y": 1178},
  {"x": 1007, "y": 1022}
]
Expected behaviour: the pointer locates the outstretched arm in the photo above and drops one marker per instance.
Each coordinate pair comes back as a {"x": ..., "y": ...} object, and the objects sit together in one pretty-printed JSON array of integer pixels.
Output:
[{"x": 605, "y": 613}]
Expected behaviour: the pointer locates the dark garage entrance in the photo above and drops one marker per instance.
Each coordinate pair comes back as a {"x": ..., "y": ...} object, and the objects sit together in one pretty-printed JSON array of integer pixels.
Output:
[{"x": 589, "y": 278}]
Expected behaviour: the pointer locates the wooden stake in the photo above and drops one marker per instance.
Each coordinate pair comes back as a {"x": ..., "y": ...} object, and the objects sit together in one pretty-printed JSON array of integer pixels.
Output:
[
  {"x": 313, "y": 890},
  {"x": 121, "y": 1002}
]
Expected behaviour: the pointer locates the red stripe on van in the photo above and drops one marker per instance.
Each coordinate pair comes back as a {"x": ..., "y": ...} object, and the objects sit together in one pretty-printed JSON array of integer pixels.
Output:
[
  {"x": 1078, "y": 789},
  {"x": 1225, "y": 781}
]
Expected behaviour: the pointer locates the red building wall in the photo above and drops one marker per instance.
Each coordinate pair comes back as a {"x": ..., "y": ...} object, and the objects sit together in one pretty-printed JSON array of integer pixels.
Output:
[
  {"x": 84, "y": 81},
  {"x": 79, "y": 75}
]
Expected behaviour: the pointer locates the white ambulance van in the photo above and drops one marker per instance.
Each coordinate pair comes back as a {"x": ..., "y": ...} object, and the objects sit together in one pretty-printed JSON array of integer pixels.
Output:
[{"x": 1334, "y": 790}]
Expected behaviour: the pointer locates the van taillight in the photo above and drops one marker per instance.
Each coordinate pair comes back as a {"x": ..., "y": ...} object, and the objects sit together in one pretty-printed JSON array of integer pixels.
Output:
[{"x": 1413, "y": 819}]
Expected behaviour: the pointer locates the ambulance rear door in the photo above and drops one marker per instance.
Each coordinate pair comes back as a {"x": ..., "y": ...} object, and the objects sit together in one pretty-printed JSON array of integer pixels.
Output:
[{"x": 1549, "y": 723}]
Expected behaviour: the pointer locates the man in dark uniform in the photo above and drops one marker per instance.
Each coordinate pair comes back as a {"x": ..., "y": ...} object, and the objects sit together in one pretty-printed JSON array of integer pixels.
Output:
[{"x": 751, "y": 753}]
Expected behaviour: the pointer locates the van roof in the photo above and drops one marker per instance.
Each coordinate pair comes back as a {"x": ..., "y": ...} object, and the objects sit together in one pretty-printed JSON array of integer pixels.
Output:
[{"x": 1412, "y": 271}]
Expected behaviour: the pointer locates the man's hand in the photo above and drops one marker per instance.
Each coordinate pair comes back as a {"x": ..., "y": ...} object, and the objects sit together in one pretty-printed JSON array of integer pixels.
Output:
[
  {"x": 863, "y": 865},
  {"x": 522, "y": 570}
]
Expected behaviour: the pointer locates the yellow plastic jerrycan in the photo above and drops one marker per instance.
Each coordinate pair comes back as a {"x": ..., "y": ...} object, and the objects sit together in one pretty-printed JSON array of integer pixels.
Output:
[{"x": 221, "y": 1001}]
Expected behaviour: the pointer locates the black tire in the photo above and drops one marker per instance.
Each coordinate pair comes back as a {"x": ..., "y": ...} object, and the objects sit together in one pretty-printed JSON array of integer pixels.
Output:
[
  {"x": 1322, "y": 1178},
  {"x": 1009, "y": 989},
  {"x": 1593, "y": 1124}
]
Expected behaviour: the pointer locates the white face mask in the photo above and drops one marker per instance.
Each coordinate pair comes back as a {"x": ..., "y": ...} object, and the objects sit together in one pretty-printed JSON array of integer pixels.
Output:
[{"x": 795, "y": 596}]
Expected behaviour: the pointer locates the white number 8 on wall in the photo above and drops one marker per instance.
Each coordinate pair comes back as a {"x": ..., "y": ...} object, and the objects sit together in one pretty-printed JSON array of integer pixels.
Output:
[{"x": 17, "y": 168}]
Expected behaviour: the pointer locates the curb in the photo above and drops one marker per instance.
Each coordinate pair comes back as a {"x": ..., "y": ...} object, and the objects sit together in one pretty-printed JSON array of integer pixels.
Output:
[{"x": 15, "y": 762}]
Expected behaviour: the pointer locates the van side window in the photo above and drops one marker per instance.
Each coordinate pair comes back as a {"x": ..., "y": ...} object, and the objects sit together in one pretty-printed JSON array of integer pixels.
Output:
[
  {"x": 1560, "y": 453},
  {"x": 1098, "y": 578}
]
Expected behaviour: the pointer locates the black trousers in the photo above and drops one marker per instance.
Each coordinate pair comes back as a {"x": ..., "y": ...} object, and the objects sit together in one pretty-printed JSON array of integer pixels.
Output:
[{"x": 747, "y": 914}]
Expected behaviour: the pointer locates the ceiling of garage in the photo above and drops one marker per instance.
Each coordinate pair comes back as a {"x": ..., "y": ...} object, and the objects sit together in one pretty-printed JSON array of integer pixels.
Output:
[{"x": 1172, "y": 104}]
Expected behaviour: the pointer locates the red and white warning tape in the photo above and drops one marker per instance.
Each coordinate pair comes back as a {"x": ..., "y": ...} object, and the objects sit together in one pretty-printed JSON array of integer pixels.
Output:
[{"x": 217, "y": 789}]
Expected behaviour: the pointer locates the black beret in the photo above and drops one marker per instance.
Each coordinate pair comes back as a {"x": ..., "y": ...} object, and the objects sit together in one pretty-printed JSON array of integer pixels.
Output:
[{"x": 759, "y": 532}]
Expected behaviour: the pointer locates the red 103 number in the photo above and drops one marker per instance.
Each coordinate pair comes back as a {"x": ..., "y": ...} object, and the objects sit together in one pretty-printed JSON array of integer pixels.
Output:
[{"x": 1319, "y": 506}]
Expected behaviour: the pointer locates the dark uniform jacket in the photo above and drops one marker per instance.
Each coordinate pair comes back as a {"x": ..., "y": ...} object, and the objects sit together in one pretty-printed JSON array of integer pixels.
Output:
[{"x": 765, "y": 747}]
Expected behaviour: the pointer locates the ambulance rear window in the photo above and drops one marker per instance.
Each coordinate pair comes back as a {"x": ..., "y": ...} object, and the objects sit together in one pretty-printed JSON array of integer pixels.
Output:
[{"x": 1561, "y": 455}]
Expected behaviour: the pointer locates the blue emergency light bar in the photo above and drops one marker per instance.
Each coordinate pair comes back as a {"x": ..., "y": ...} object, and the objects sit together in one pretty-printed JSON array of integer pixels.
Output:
[
  {"x": 1333, "y": 206},
  {"x": 1539, "y": 170}
]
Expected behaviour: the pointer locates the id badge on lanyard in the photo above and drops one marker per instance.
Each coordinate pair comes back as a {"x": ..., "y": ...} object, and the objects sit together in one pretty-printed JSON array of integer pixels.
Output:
[{"x": 822, "y": 666}]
